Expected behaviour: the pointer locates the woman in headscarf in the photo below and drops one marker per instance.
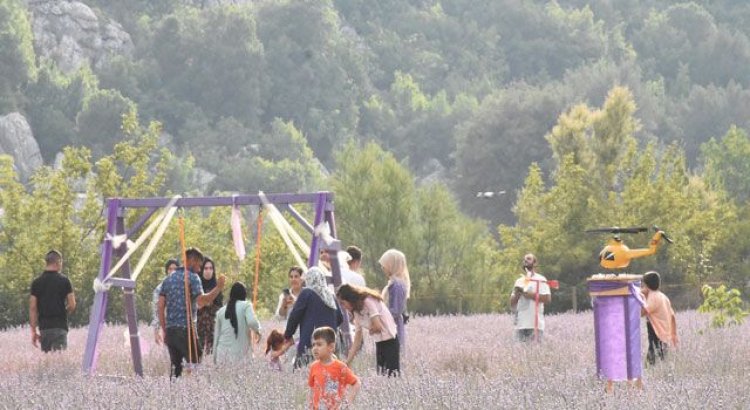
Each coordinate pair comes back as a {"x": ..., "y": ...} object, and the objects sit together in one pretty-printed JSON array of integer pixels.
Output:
[
  {"x": 315, "y": 307},
  {"x": 397, "y": 291},
  {"x": 207, "y": 314},
  {"x": 235, "y": 325}
]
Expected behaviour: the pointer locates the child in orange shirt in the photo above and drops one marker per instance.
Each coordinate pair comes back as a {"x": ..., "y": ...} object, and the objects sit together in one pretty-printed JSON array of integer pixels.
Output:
[
  {"x": 661, "y": 323},
  {"x": 329, "y": 377}
]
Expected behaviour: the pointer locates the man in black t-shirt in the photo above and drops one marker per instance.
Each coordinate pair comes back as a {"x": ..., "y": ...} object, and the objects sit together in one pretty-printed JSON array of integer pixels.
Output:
[{"x": 50, "y": 302}]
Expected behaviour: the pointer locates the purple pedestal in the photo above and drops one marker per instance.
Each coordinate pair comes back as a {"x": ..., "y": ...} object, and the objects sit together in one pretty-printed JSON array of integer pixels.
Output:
[{"x": 617, "y": 329}]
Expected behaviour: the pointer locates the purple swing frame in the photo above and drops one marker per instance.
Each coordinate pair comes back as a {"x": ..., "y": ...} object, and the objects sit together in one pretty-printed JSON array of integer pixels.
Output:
[{"x": 116, "y": 209}]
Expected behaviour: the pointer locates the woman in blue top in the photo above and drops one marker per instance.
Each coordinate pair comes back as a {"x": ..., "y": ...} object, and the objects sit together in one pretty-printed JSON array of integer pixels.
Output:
[
  {"x": 396, "y": 293},
  {"x": 315, "y": 307},
  {"x": 235, "y": 325}
]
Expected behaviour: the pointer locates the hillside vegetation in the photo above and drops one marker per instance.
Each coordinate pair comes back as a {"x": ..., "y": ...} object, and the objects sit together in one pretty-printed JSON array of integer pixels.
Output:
[{"x": 587, "y": 113}]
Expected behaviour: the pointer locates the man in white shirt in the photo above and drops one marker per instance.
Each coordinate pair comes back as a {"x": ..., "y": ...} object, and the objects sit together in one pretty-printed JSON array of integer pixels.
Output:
[
  {"x": 353, "y": 258},
  {"x": 530, "y": 293}
]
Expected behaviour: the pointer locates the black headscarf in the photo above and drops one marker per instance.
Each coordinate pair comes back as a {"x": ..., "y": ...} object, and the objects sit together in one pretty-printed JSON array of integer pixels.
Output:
[
  {"x": 209, "y": 284},
  {"x": 238, "y": 292}
]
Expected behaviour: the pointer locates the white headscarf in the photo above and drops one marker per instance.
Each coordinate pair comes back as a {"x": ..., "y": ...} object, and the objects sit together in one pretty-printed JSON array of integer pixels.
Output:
[
  {"x": 315, "y": 280},
  {"x": 394, "y": 263}
]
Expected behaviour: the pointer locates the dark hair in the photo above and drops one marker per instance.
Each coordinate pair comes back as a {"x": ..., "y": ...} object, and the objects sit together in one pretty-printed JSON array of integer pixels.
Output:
[
  {"x": 652, "y": 280},
  {"x": 354, "y": 252},
  {"x": 52, "y": 257},
  {"x": 356, "y": 295},
  {"x": 238, "y": 292},
  {"x": 194, "y": 254},
  {"x": 274, "y": 341},
  {"x": 169, "y": 263},
  {"x": 326, "y": 333},
  {"x": 296, "y": 269}
]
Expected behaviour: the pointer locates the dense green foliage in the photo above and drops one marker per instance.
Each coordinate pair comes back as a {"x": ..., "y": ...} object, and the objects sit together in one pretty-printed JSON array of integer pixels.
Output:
[
  {"x": 429, "y": 81},
  {"x": 16, "y": 53},
  {"x": 631, "y": 112},
  {"x": 602, "y": 177},
  {"x": 725, "y": 306}
]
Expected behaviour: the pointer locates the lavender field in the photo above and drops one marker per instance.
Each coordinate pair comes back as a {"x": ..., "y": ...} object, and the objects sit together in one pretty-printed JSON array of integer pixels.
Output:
[{"x": 451, "y": 362}]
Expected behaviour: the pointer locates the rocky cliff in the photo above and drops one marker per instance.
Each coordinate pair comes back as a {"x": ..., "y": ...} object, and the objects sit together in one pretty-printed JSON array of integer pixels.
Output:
[
  {"x": 17, "y": 141},
  {"x": 71, "y": 34}
]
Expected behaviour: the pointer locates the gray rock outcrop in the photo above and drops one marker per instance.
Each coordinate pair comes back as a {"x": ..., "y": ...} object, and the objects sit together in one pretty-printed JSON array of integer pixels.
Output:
[
  {"x": 71, "y": 34},
  {"x": 17, "y": 141}
]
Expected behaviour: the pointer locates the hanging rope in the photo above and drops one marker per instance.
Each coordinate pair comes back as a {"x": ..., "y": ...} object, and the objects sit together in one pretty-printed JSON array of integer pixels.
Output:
[
  {"x": 257, "y": 259},
  {"x": 188, "y": 305}
]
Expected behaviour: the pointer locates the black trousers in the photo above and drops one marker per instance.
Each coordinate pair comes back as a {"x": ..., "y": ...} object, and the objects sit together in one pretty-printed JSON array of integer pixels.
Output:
[
  {"x": 177, "y": 344},
  {"x": 387, "y": 356},
  {"x": 655, "y": 345}
]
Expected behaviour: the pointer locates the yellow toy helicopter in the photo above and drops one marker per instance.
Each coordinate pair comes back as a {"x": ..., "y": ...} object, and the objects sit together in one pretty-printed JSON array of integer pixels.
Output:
[{"x": 617, "y": 255}]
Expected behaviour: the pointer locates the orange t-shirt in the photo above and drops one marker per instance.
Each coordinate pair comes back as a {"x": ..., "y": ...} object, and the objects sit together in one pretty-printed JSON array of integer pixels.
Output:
[
  {"x": 662, "y": 317},
  {"x": 328, "y": 383}
]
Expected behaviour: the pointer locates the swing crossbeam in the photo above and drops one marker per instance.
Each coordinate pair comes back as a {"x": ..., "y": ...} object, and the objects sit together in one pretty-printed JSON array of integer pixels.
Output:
[
  {"x": 190, "y": 202},
  {"x": 112, "y": 250}
]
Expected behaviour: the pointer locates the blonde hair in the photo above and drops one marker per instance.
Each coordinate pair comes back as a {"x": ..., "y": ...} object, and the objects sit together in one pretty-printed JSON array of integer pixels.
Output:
[{"x": 393, "y": 262}]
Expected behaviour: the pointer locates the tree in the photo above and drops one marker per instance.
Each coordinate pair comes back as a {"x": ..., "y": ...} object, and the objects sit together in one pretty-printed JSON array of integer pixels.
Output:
[
  {"x": 504, "y": 136},
  {"x": 597, "y": 139},
  {"x": 456, "y": 258},
  {"x": 594, "y": 186},
  {"x": 16, "y": 53},
  {"x": 52, "y": 103},
  {"x": 375, "y": 201},
  {"x": 316, "y": 74},
  {"x": 707, "y": 112},
  {"x": 63, "y": 210},
  {"x": 452, "y": 258},
  {"x": 99, "y": 121},
  {"x": 726, "y": 164}
]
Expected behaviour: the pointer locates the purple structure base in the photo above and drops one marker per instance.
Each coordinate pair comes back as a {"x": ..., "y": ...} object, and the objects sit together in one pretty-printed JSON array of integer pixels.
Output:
[{"x": 617, "y": 321}]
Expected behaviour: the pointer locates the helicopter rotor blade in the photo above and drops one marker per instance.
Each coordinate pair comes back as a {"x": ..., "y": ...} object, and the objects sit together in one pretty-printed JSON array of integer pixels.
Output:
[
  {"x": 617, "y": 229},
  {"x": 599, "y": 230}
]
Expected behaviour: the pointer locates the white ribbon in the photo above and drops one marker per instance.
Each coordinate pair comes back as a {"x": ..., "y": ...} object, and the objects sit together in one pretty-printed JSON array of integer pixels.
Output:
[
  {"x": 323, "y": 231},
  {"x": 239, "y": 243},
  {"x": 132, "y": 247},
  {"x": 100, "y": 286},
  {"x": 284, "y": 229},
  {"x": 154, "y": 241}
]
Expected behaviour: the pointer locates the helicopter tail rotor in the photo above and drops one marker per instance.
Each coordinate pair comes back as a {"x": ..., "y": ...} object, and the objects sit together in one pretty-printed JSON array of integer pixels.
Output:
[{"x": 663, "y": 234}]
